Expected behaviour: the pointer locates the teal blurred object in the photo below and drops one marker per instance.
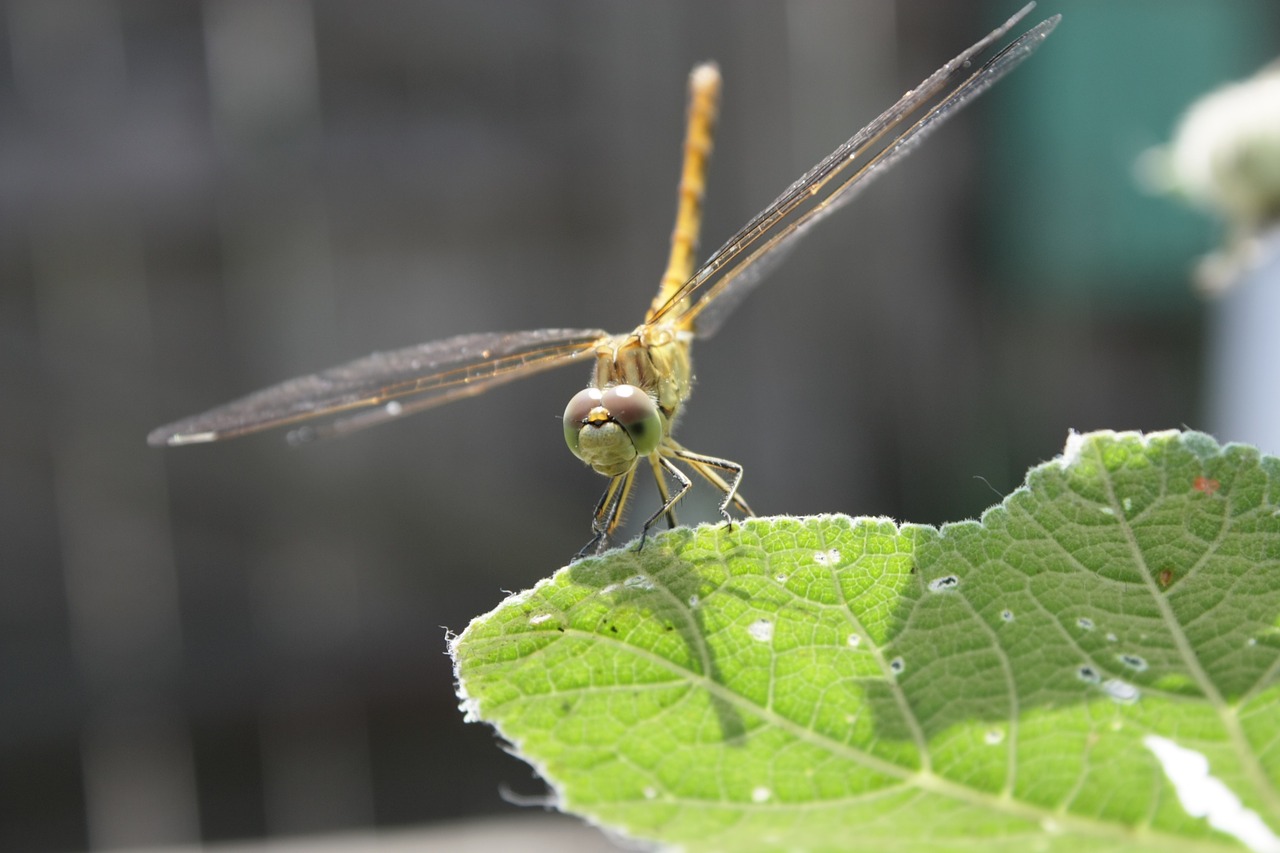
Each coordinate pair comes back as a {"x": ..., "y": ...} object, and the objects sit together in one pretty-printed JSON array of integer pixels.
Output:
[{"x": 1073, "y": 218}]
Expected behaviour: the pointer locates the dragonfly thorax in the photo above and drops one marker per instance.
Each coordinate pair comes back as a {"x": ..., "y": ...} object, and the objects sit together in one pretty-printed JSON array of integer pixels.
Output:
[{"x": 654, "y": 358}]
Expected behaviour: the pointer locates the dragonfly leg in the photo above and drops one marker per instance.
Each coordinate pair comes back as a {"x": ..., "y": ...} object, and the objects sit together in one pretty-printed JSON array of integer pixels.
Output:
[
  {"x": 656, "y": 463},
  {"x": 607, "y": 514},
  {"x": 709, "y": 473},
  {"x": 668, "y": 502},
  {"x": 706, "y": 465}
]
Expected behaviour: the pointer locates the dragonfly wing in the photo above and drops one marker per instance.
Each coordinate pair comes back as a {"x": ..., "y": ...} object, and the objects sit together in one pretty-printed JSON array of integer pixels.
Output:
[
  {"x": 423, "y": 375},
  {"x": 734, "y": 269}
]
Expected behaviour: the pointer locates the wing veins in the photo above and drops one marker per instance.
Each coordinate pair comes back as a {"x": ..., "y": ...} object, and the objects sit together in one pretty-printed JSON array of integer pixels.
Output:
[
  {"x": 728, "y": 262},
  {"x": 449, "y": 369}
]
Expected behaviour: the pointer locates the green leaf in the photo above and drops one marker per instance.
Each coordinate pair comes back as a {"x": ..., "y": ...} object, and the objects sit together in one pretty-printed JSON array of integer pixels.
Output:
[{"x": 1027, "y": 681}]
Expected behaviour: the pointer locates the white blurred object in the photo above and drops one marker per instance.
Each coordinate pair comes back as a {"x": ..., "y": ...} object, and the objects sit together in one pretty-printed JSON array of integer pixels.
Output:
[
  {"x": 1225, "y": 157},
  {"x": 1226, "y": 151}
]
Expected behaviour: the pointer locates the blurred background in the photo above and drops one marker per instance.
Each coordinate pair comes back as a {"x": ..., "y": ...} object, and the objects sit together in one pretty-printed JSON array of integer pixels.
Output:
[{"x": 243, "y": 640}]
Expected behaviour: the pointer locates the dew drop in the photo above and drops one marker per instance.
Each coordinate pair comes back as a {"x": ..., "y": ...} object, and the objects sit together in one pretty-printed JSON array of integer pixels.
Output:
[
  {"x": 694, "y": 600},
  {"x": 393, "y": 408},
  {"x": 761, "y": 794},
  {"x": 993, "y": 737},
  {"x": 1088, "y": 675},
  {"x": 854, "y": 640},
  {"x": 650, "y": 792},
  {"x": 826, "y": 558},
  {"x": 1121, "y": 692},
  {"x": 761, "y": 630},
  {"x": 1111, "y": 638},
  {"x": 1134, "y": 662},
  {"x": 897, "y": 665},
  {"x": 1006, "y": 615},
  {"x": 780, "y": 578},
  {"x": 944, "y": 583},
  {"x": 1085, "y": 622},
  {"x": 638, "y": 582}
]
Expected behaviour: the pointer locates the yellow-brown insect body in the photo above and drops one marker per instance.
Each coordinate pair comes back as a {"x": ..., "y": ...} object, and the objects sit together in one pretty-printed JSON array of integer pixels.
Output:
[
  {"x": 640, "y": 379},
  {"x": 606, "y": 425}
]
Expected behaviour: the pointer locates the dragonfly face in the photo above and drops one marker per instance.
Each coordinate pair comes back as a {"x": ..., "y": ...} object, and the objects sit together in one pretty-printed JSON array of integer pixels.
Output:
[
  {"x": 641, "y": 379},
  {"x": 611, "y": 429}
]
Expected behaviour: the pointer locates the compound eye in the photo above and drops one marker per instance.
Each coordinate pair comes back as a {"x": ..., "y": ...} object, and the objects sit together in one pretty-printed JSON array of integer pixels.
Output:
[
  {"x": 635, "y": 412},
  {"x": 575, "y": 415}
]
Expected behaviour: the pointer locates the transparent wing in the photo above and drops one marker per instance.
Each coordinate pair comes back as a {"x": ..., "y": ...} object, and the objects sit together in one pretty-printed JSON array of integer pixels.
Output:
[
  {"x": 742, "y": 262},
  {"x": 422, "y": 376}
]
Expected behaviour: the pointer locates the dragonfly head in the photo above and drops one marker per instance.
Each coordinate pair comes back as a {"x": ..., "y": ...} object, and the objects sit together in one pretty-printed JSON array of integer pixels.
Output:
[{"x": 610, "y": 428}]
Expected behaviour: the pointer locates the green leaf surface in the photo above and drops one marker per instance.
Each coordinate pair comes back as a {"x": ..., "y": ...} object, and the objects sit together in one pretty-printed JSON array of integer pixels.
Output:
[{"x": 1023, "y": 682}]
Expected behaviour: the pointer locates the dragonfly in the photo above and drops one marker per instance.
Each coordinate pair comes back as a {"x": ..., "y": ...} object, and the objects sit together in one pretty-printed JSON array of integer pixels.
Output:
[{"x": 640, "y": 379}]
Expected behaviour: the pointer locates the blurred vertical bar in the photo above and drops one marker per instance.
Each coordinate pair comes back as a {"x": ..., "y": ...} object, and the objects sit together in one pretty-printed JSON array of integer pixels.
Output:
[
  {"x": 1244, "y": 350},
  {"x": 273, "y": 221},
  {"x": 89, "y": 277},
  {"x": 265, "y": 93}
]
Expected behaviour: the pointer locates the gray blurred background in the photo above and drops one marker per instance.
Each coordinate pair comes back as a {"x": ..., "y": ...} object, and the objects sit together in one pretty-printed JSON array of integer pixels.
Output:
[{"x": 197, "y": 199}]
